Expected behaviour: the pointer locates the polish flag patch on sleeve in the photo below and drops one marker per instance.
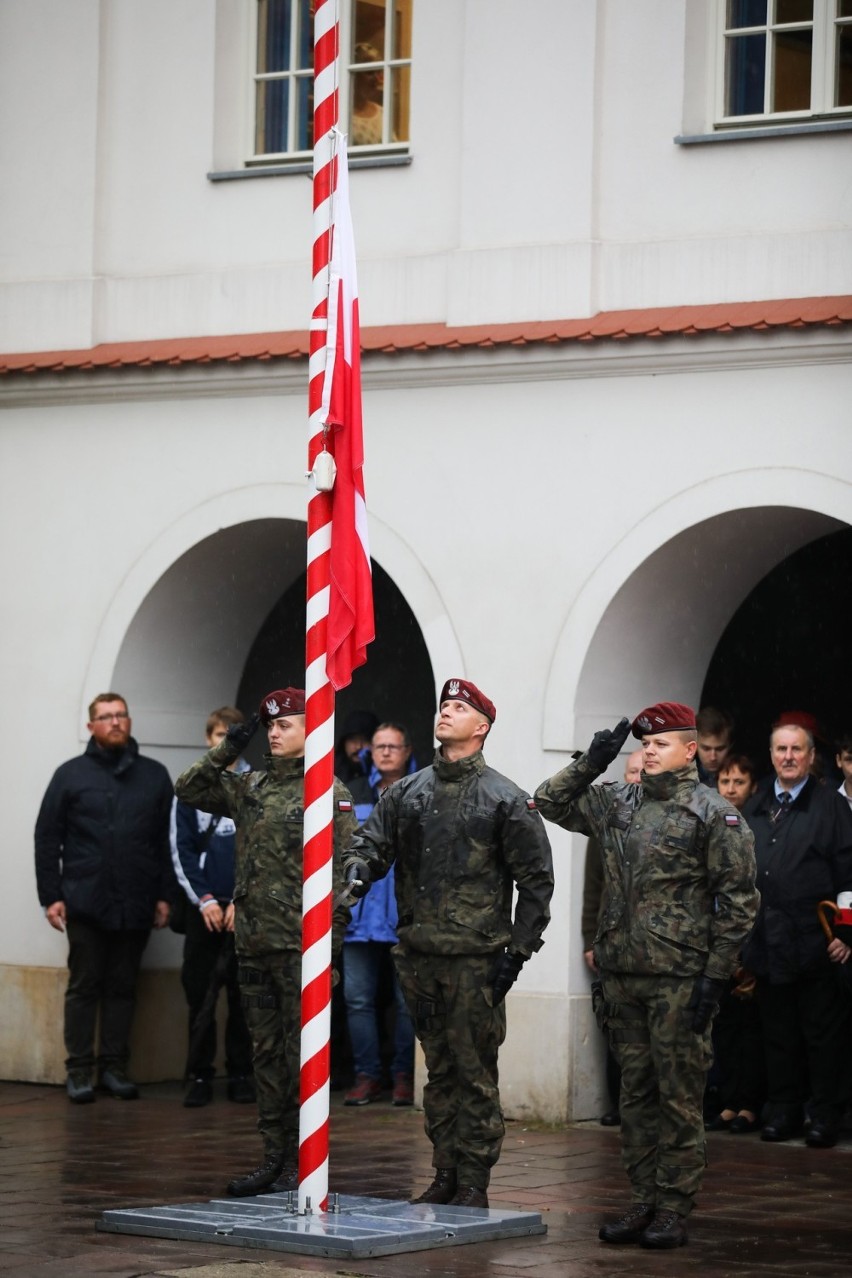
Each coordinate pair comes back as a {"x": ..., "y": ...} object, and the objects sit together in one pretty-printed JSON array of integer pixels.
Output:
[
  {"x": 344, "y": 805},
  {"x": 731, "y": 818},
  {"x": 531, "y": 805}
]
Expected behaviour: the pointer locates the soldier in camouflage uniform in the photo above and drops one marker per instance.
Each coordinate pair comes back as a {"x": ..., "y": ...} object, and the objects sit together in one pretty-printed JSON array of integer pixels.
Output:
[
  {"x": 678, "y": 902},
  {"x": 461, "y": 837},
  {"x": 268, "y": 810}
]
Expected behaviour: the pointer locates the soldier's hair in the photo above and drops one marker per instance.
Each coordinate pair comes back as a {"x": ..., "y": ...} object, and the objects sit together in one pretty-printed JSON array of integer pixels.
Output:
[
  {"x": 741, "y": 761},
  {"x": 105, "y": 696},
  {"x": 686, "y": 734},
  {"x": 712, "y": 722},
  {"x": 797, "y": 727},
  {"x": 224, "y": 717},
  {"x": 395, "y": 727}
]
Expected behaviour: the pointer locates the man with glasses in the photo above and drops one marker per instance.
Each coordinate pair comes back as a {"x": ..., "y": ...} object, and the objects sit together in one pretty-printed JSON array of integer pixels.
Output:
[
  {"x": 369, "y": 939},
  {"x": 104, "y": 876}
]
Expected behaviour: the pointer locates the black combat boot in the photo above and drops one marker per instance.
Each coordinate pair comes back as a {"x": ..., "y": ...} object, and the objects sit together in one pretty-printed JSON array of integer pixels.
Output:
[
  {"x": 469, "y": 1196},
  {"x": 442, "y": 1189},
  {"x": 666, "y": 1230},
  {"x": 627, "y": 1228},
  {"x": 259, "y": 1180}
]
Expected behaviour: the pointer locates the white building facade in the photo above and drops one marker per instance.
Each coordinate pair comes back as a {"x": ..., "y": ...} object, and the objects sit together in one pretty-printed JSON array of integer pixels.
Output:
[{"x": 605, "y": 268}]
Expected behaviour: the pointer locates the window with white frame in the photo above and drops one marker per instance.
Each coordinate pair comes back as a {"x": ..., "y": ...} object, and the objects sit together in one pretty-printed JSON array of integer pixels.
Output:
[
  {"x": 375, "y": 77},
  {"x": 784, "y": 60}
]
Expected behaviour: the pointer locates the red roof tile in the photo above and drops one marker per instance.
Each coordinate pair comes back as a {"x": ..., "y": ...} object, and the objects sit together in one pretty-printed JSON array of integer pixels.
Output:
[{"x": 657, "y": 322}]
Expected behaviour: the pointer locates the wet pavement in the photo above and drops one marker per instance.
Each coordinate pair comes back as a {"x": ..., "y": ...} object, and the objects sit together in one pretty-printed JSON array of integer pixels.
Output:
[{"x": 764, "y": 1210}]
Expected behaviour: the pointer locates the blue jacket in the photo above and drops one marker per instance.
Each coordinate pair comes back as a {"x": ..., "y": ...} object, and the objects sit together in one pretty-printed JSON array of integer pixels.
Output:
[
  {"x": 204, "y": 864},
  {"x": 374, "y": 917}
]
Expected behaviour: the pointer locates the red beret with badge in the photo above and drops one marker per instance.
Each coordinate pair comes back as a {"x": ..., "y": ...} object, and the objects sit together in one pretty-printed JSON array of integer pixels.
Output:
[
  {"x": 281, "y": 703},
  {"x": 464, "y": 690},
  {"x": 665, "y": 716}
]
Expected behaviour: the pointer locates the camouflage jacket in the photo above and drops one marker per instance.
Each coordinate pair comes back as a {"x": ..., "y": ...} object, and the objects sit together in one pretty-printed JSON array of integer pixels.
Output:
[
  {"x": 268, "y": 811},
  {"x": 461, "y": 837},
  {"x": 678, "y": 861}
]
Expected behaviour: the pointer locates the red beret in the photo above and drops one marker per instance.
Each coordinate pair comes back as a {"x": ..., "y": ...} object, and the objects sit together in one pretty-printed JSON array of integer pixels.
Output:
[
  {"x": 798, "y": 719},
  {"x": 463, "y": 690},
  {"x": 281, "y": 703},
  {"x": 665, "y": 716}
]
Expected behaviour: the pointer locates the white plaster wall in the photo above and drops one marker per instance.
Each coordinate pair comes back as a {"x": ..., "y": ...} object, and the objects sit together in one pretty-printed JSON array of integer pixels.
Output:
[{"x": 544, "y": 181}]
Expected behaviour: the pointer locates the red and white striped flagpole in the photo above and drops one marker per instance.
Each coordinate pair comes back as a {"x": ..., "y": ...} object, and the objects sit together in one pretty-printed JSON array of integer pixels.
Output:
[{"x": 319, "y": 705}]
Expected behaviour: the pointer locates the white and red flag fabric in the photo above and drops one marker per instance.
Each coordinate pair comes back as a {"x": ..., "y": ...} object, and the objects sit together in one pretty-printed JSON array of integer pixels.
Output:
[{"x": 350, "y": 605}]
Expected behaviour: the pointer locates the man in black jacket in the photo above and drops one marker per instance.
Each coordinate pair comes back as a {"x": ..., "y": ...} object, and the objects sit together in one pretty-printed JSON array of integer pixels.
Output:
[
  {"x": 104, "y": 875},
  {"x": 803, "y": 846}
]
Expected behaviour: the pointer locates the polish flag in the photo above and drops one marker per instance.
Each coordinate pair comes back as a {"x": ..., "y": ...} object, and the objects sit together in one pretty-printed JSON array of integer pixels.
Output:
[{"x": 350, "y": 605}]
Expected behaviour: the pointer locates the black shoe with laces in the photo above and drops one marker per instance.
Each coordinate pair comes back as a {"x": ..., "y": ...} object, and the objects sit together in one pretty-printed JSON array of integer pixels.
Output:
[
  {"x": 442, "y": 1189},
  {"x": 259, "y": 1180},
  {"x": 79, "y": 1087},
  {"x": 469, "y": 1196},
  {"x": 628, "y": 1227},
  {"x": 666, "y": 1230},
  {"x": 116, "y": 1082}
]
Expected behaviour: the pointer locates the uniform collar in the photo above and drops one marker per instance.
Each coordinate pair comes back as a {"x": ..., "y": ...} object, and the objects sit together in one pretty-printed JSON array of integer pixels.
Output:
[{"x": 460, "y": 768}]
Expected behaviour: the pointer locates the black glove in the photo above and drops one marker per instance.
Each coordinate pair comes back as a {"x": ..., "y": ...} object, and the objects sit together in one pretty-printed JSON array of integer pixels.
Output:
[
  {"x": 704, "y": 1000},
  {"x": 606, "y": 745},
  {"x": 239, "y": 734},
  {"x": 505, "y": 976},
  {"x": 357, "y": 875}
]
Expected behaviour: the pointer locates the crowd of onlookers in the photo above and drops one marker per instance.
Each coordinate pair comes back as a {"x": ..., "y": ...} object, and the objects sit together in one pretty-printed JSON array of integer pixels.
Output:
[{"x": 781, "y": 1038}]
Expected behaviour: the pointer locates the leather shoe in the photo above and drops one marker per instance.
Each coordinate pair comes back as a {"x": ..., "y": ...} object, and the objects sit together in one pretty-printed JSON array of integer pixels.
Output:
[
  {"x": 778, "y": 1129},
  {"x": 442, "y": 1189},
  {"x": 742, "y": 1125},
  {"x": 628, "y": 1227},
  {"x": 241, "y": 1090},
  {"x": 469, "y": 1196},
  {"x": 116, "y": 1082},
  {"x": 666, "y": 1230},
  {"x": 200, "y": 1093},
  {"x": 611, "y": 1118},
  {"x": 718, "y": 1124},
  {"x": 259, "y": 1180},
  {"x": 78, "y": 1085},
  {"x": 821, "y": 1136}
]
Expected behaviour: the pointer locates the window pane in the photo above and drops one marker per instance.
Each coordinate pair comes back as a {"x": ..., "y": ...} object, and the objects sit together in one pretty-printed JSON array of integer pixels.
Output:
[
  {"x": 794, "y": 10},
  {"x": 366, "y": 124},
  {"x": 369, "y": 26},
  {"x": 843, "y": 72},
  {"x": 402, "y": 29},
  {"x": 271, "y": 116},
  {"x": 745, "y": 62},
  {"x": 306, "y": 35},
  {"x": 844, "y": 9},
  {"x": 792, "y": 86},
  {"x": 400, "y": 98},
  {"x": 746, "y": 13},
  {"x": 273, "y": 35},
  {"x": 305, "y": 121}
]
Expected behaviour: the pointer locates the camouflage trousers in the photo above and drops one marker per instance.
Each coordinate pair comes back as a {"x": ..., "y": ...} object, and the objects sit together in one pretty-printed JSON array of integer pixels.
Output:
[
  {"x": 270, "y": 988},
  {"x": 461, "y": 1035},
  {"x": 664, "y": 1067}
]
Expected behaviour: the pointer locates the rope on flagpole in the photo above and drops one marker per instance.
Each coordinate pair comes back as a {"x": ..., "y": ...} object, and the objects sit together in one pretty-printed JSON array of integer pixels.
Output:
[{"x": 319, "y": 703}]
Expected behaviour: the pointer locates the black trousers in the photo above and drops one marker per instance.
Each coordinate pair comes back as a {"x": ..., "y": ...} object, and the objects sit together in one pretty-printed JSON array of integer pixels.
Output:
[
  {"x": 739, "y": 1054},
  {"x": 103, "y": 969},
  {"x": 806, "y": 1039},
  {"x": 209, "y": 963}
]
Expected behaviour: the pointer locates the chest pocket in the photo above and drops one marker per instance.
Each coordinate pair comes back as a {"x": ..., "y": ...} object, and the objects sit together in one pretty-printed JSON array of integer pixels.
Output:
[{"x": 679, "y": 835}]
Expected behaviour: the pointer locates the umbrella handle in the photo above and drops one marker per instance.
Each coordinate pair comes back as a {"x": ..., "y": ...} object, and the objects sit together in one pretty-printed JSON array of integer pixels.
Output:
[{"x": 826, "y": 926}]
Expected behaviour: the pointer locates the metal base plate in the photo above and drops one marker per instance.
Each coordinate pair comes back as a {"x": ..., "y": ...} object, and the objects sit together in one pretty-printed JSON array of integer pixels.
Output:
[{"x": 360, "y": 1226}]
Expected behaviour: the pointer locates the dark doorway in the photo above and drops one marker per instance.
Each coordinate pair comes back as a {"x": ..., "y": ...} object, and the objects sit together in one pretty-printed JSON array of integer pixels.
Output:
[
  {"x": 396, "y": 682},
  {"x": 787, "y": 647}
]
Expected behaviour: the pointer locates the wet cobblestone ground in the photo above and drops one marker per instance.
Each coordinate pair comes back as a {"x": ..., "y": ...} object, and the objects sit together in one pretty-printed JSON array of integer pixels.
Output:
[{"x": 764, "y": 1210}]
